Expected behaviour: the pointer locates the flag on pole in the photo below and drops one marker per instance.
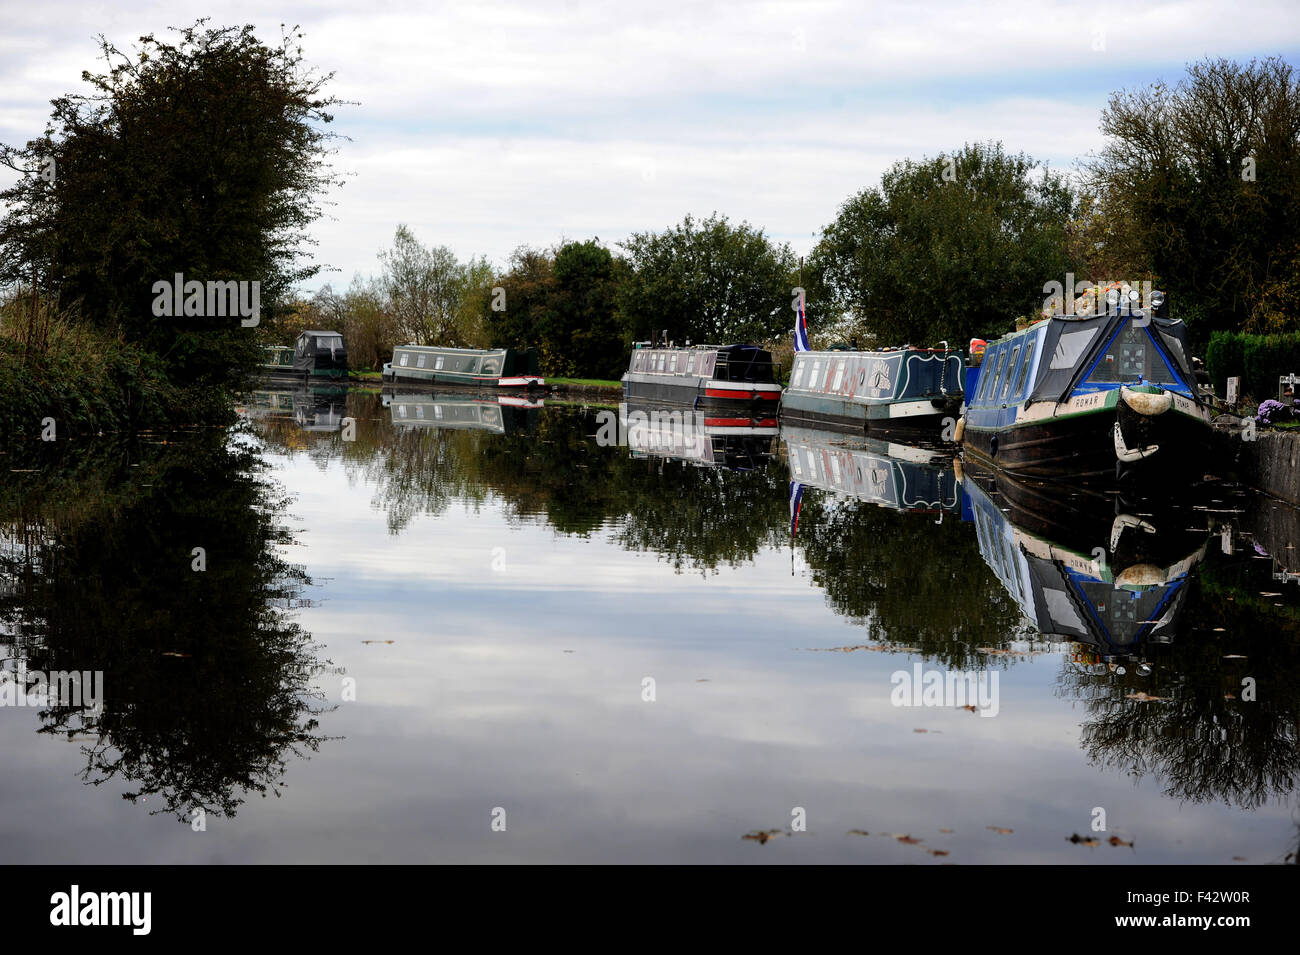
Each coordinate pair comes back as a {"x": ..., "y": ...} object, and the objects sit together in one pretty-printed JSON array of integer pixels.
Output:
[
  {"x": 796, "y": 503},
  {"x": 801, "y": 326}
]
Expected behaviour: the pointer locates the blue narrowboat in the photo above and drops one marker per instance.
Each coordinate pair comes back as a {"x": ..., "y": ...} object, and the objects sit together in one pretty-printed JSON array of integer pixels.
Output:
[{"x": 1090, "y": 396}]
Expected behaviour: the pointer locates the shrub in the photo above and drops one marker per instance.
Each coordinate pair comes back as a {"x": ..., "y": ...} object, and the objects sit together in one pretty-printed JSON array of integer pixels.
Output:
[{"x": 1258, "y": 359}]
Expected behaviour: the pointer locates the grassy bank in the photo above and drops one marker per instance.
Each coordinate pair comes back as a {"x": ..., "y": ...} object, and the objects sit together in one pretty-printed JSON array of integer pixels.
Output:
[{"x": 84, "y": 382}]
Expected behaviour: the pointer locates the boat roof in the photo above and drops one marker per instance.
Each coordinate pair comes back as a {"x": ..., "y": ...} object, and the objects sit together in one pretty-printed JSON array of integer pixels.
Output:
[{"x": 460, "y": 351}]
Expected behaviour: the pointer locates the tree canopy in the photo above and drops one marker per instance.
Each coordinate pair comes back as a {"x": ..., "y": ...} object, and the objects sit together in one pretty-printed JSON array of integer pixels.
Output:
[
  {"x": 953, "y": 247},
  {"x": 203, "y": 157},
  {"x": 709, "y": 281},
  {"x": 1199, "y": 184}
]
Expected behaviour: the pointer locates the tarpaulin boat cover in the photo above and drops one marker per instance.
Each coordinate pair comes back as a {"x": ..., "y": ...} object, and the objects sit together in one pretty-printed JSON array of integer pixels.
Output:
[
  {"x": 1071, "y": 345},
  {"x": 313, "y": 345}
]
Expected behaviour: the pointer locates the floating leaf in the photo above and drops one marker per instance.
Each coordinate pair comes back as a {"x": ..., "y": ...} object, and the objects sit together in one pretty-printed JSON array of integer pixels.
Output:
[
  {"x": 762, "y": 835},
  {"x": 1117, "y": 841},
  {"x": 909, "y": 841},
  {"x": 938, "y": 852},
  {"x": 1083, "y": 840},
  {"x": 859, "y": 832},
  {"x": 1000, "y": 831}
]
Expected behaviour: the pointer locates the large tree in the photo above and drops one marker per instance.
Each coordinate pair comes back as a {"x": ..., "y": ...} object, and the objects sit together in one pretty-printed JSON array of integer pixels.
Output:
[
  {"x": 709, "y": 281},
  {"x": 948, "y": 248},
  {"x": 563, "y": 303},
  {"x": 1199, "y": 184},
  {"x": 205, "y": 157}
]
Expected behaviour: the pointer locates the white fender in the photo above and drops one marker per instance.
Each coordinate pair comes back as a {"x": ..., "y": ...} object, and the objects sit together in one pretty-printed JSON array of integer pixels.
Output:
[{"x": 1145, "y": 403}]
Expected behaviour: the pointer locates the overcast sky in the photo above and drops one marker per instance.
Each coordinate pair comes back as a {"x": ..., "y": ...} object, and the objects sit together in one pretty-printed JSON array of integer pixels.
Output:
[{"x": 488, "y": 125}]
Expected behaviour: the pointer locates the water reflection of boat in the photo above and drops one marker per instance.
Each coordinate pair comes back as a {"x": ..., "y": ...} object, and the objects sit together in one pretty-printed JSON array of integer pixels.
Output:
[
  {"x": 320, "y": 408},
  {"x": 1079, "y": 570},
  {"x": 314, "y": 406},
  {"x": 461, "y": 410},
  {"x": 716, "y": 439},
  {"x": 897, "y": 476}
]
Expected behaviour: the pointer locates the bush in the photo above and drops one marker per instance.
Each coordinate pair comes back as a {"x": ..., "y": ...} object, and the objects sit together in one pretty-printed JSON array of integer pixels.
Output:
[
  {"x": 1259, "y": 360},
  {"x": 89, "y": 382}
]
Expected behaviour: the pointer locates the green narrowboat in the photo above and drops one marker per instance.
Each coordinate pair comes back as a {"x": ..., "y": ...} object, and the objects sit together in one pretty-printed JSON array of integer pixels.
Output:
[{"x": 486, "y": 368}]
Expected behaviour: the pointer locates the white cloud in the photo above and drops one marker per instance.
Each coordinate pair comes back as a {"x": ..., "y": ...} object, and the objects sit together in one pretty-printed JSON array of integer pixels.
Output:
[{"x": 489, "y": 125}]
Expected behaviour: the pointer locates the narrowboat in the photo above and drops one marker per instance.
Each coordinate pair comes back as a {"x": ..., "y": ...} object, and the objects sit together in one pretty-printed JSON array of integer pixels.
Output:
[
  {"x": 459, "y": 411},
  {"x": 320, "y": 354},
  {"x": 277, "y": 363},
  {"x": 719, "y": 439},
  {"x": 896, "y": 476},
  {"x": 702, "y": 376},
  {"x": 1091, "y": 396},
  {"x": 892, "y": 389},
  {"x": 495, "y": 369},
  {"x": 1114, "y": 582}
]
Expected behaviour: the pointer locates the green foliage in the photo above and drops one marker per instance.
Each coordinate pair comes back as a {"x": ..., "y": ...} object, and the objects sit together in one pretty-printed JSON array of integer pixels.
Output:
[
  {"x": 1200, "y": 184},
  {"x": 432, "y": 296},
  {"x": 708, "y": 281},
  {"x": 91, "y": 382},
  {"x": 564, "y": 305},
  {"x": 1259, "y": 360},
  {"x": 947, "y": 248},
  {"x": 202, "y": 157}
]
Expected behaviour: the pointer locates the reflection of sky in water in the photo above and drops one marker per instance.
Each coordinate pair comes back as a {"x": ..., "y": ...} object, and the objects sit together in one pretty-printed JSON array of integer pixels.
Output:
[{"x": 476, "y": 704}]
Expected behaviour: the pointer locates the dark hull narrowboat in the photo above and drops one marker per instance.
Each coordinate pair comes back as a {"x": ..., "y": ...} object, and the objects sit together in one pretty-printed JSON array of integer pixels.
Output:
[
  {"x": 1091, "y": 397},
  {"x": 703, "y": 376},
  {"x": 911, "y": 389},
  {"x": 896, "y": 476},
  {"x": 725, "y": 439},
  {"x": 278, "y": 364},
  {"x": 1114, "y": 582},
  {"x": 320, "y": 355},
  {"x": 498, "y": 414},
  {"x": 495, "y": 369}
]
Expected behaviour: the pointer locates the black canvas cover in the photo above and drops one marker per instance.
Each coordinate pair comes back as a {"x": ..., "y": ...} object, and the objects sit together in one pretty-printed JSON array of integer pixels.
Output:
[
  {"x": 1071, "y": 345},
  {"x": 320, "y": 349}
]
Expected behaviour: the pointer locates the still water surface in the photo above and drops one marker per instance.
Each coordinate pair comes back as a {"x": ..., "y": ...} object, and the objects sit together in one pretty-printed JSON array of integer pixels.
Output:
[{"x": 451, "y": 620}]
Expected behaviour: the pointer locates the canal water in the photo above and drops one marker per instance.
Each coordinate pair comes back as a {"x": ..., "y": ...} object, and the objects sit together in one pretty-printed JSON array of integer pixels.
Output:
[{"x": 359, "y": 629}]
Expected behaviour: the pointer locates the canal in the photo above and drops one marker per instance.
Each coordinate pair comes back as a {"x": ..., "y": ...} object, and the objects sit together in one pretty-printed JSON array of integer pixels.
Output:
[{"x": 358, "y": 629}]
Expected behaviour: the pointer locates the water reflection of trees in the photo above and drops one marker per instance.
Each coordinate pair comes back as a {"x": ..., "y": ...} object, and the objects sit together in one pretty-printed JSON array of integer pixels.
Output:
[
  {"x": 911, "y": 580},
  {"x": 1186, "y": 722},
  {"x": 908, "y": 580},
  {"x": 207, "y": 681}
]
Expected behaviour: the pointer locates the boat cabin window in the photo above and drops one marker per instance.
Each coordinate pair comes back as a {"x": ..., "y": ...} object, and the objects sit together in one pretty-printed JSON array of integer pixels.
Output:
[
  {"x": 663, "y": 359},
  {"x": 437, "y": 362},
  {"x": 797, "y": 377},
  {"x": 406, "y": 358},
  {"x": 1011, "y": 373},
  {"x": 690, "y": 362},
  {"x": 996, "y": 381},
  {"x": 490, "y": 366},
  {"x": 672, "y": 366},
  {"x": 419, "y": 362},
  {"x": 1131, "y": 357},
  {"x": 814, "y": 380},
  {"x": 987, "y": 371},
  {"x": 1024, "y": 368},
  {"x": 839, "y": 375}
]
